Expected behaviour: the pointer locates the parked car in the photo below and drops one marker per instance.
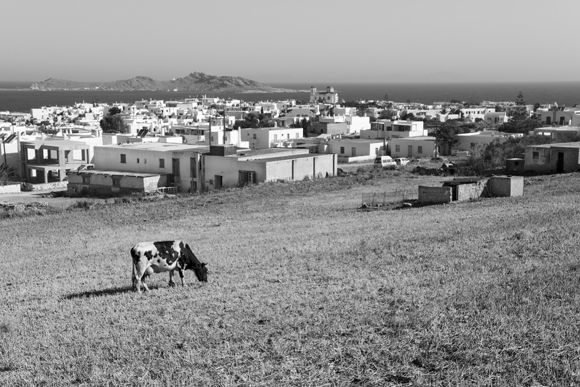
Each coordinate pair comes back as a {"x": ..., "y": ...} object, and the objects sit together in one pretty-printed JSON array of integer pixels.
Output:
[
  {"x": 385, "y": 162},
  {"x": 402, "y": 161}
]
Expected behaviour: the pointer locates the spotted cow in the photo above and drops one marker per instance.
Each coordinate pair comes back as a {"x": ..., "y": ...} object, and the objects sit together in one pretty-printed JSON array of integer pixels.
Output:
[{"x": 157, "y": 257}]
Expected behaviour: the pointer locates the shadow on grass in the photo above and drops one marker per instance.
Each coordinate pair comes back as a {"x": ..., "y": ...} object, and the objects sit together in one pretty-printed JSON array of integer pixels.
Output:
[{"x": 103, "y": 292}]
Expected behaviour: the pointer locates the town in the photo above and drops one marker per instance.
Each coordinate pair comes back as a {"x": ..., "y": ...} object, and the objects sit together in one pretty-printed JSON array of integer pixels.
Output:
[{"x": 208, "y": 143}]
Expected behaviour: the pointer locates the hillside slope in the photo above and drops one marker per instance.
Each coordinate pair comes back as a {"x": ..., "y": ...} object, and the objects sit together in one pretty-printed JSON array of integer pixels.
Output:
[{"x": 304, "y": 289}]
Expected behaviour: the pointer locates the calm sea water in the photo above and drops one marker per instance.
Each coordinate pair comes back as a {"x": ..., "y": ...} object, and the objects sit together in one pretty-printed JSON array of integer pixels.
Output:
[{"x": 15, "y": 96}]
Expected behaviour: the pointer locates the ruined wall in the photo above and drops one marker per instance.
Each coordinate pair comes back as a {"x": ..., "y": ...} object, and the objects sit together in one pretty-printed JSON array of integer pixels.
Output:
[{"x": 471, "y": 191}]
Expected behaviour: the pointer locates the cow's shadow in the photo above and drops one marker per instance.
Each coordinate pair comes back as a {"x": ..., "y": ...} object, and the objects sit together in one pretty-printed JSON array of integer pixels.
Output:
[{"x": 103, "y": 292}]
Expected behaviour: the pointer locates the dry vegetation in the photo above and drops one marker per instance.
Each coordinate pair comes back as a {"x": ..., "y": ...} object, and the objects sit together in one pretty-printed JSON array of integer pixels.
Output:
[{"x": 303, "y": 289}]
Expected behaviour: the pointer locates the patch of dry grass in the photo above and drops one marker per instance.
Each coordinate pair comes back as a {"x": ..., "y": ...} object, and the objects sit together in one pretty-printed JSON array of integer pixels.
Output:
[{"x": 303, "y": 290}]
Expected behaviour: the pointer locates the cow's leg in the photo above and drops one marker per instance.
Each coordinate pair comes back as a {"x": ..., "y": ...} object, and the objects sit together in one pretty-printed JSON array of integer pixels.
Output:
[
  {"x": 171, "y": 283},
  {"x": 180, "y": 271},
  {"x": 143, "y": 282},
  {"x": 136, "y": 280}
]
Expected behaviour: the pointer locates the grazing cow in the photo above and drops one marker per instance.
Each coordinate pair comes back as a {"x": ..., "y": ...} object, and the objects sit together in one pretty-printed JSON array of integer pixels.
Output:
[{"x": 156, "y": 257}]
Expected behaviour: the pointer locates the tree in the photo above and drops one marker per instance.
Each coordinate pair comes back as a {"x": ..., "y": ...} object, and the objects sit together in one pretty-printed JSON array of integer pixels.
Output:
[
  {"x": 446, "y": 135},
  {"x": 519, "y": 112},
  {"x": 497, "y": 152},
  {"x": 113, "y": 122},
  {"x": 515, "y": 125}
]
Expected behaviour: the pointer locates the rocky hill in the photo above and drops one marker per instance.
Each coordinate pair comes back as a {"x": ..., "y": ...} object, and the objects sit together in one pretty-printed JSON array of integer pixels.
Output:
[{"x": 195, "y": 82}]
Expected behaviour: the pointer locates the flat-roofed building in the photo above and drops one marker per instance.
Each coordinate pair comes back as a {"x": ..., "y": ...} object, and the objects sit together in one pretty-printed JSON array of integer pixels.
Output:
[
  {"x": 179, "y": 163},
  {"x": 230, "y": 167}
]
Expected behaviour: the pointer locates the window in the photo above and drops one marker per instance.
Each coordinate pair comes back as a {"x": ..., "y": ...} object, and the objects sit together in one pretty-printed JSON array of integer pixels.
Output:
[
  {"x": 86, "y": 179},
  {"x": 123, "y": 159},
  {"x": 420, "y": 149},
  {"x": 254, "y": 136},
  {"x": 341, "y": 150},
  {"x": 397, "y": 148},
  {"x": 137, "y": 160},
  {"x": 116, "y": 181},
  {"x": 162, "y": 163},
  {"x": 535, "y": 155}
]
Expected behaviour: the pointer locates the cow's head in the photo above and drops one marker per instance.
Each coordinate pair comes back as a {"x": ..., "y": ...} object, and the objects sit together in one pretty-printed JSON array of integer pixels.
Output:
[
  {"x": 191, "y": 262},
  {"x": 200, "y": 272}
]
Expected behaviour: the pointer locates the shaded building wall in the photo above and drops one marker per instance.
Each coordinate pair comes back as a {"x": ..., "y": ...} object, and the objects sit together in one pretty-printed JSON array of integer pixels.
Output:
[
  {"x": 569, "y": 158},
  {"x": 537, "y": 159},
  {"x": 102, "y": 184},
  {"x": 506, "y": 186},
  {"x": 434, "y": 195}
]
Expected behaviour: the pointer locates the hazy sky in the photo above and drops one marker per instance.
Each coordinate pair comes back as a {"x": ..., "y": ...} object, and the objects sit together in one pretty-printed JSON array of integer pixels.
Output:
[{"x": 293, "y": 40}]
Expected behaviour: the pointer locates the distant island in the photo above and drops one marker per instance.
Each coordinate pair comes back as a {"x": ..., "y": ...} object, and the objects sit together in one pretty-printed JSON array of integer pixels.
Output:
[{"x": 195, "y": 82}]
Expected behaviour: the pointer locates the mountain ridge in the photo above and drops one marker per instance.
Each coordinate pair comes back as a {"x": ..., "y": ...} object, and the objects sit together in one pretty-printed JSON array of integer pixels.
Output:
[{"x": 195, "y": 82}]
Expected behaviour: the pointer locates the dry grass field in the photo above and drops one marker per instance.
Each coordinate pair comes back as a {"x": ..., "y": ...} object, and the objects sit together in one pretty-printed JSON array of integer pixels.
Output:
[{"x": 304, "y": 289}]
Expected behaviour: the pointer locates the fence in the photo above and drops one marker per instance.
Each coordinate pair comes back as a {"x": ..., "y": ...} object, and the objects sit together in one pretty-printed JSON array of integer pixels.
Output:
[
  {"x": 167, "y": 190},
  {"x": 382, "y": 199}
]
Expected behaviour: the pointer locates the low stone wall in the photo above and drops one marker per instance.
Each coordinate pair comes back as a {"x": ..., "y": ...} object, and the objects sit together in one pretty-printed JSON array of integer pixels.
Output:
[
  {"x": 45, "y": 187},
  {"x": 355, "y": 159},
  {"x": 9, "y": 188}
]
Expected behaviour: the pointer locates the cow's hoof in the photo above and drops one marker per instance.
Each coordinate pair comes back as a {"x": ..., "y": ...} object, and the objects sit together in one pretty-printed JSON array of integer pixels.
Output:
[{"x": 172, "y": 284}]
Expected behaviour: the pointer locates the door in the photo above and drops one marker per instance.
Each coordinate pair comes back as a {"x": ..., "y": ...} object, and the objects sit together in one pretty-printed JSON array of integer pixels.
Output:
[
  {"x": 410, "y": 151},
  {"x": 193, "y": 167},
  {"x": 560, "y": 163},
  {"x": 218, "y": 181}
]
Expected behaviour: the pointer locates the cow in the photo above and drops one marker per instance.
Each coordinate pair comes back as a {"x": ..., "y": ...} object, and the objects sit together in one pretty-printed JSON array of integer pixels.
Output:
[{"x": 157, "y": 257}]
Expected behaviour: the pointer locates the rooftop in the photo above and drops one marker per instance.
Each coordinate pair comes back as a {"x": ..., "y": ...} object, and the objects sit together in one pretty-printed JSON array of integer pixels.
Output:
[
  {"x": 161, "y": 147},
  {"x": 47, "y": 142},
  {"x": 113, "y": 173}
]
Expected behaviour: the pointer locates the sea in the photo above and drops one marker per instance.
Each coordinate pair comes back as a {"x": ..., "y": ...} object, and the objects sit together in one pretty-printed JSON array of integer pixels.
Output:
[{"x": 16, "y": 96}]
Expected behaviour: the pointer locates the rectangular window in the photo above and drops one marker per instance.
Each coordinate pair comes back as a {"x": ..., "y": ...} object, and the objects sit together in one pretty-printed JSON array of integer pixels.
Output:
[
  {"x": 420, "y": 149},
  {"x": 116, "y": 181},
  {"x": 123, "y": 159},
  {"x": 535, "y": 155},
  {"x": 86, "y": 179},
  {"x": 397, "y": 148},
  {"x": 161, "y": 163},
  {"x": 341, "y": 150},
  {"x": 254, "y": 136}
]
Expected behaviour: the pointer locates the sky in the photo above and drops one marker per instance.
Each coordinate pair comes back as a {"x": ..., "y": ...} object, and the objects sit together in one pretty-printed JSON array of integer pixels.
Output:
[{"x": 297, "y": 41}]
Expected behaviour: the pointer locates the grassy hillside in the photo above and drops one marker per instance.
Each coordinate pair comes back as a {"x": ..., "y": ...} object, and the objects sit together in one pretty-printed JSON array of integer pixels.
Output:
[{"x": 303, "y": 289}]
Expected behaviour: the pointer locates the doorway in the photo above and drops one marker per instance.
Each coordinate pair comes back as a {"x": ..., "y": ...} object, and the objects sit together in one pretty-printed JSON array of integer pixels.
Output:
[{"x": 560, "y": 163}]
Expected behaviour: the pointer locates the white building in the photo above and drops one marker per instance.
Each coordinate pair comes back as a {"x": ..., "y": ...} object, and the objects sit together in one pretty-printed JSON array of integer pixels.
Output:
[
  {"x": 329, "y": 96},
  {"x": 262, "y": 138},
  {"x": 351, "y": 150},
  {"x": 413, "y": 147},
  {"x": 394, "y": 129}
]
